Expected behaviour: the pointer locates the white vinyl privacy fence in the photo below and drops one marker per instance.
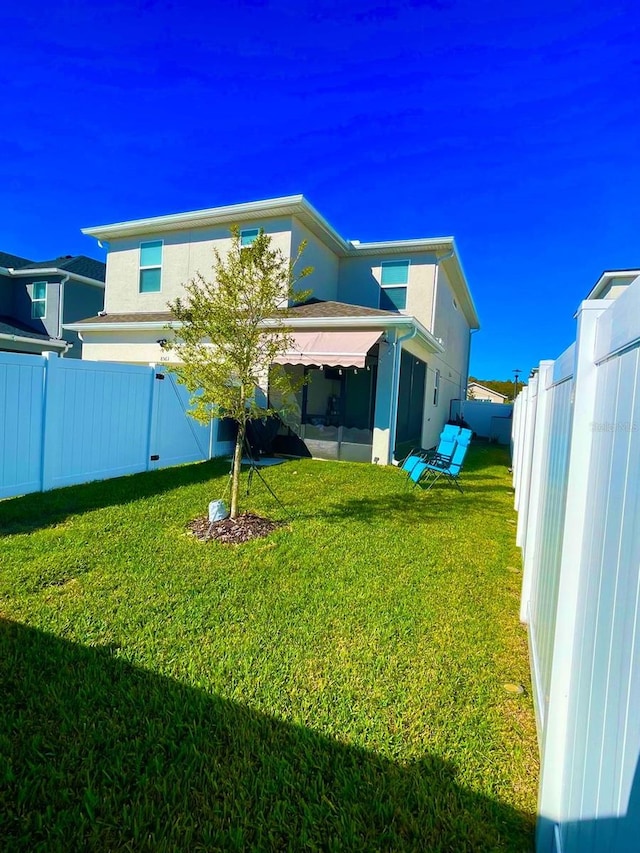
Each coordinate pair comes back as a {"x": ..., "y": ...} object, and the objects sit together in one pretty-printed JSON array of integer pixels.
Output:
[
  {"x": 576, "y": 471},
  {"x": 64, "y": 421}
]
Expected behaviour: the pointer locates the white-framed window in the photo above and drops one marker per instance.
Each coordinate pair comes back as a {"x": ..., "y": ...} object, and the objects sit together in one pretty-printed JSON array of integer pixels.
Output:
[
  {"x": 436, "y": 387},
  {"x": 394, "y": 277},
  {"x": 150, "y": 280},
  {"x": 248, "y": 235},
  {"x": 38, "y": 300}
]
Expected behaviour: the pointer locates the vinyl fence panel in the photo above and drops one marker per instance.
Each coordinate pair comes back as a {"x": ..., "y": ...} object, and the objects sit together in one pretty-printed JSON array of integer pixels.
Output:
[
  {"x": 581, "y": 585},
  {"x": 21, "y": 414},
  {"x": 65, "y": 421}
]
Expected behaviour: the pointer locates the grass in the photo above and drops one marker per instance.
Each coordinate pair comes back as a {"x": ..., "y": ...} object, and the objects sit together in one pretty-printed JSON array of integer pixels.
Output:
[{"x": 336, "y": 686}]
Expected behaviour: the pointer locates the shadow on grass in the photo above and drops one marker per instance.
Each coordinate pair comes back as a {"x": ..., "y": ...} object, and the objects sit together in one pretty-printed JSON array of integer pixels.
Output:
[
  {"x": 96, "y": 754},
  {"x": 46, "y": 509}
]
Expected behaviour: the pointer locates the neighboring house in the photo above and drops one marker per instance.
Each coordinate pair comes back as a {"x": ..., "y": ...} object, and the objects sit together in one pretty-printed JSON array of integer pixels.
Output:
[
  {"x": 612, "y": 283},
  {"x": 384, "y": 341},
  {"x": 476, "y": 391},
  {"x": 38, "y": 297}
]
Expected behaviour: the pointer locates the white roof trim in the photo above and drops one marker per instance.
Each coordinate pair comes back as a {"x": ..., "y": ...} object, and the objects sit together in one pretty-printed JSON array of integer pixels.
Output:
[{"x": 30, "y": 271}]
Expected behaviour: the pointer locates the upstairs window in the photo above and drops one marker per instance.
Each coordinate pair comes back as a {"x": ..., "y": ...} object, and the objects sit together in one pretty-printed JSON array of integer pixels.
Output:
[
  {"x": 248, "y": 235},
  {"x": 394, "y": 279},
  {"x": 150, "y": 266},
  {"x": 39, "y": 300}
]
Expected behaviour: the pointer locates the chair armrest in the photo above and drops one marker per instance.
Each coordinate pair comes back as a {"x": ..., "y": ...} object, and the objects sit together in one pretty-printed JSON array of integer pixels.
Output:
[{"x": 439, "y": 460}]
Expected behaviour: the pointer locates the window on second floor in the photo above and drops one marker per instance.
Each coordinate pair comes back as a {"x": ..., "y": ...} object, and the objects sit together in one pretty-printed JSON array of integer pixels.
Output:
[
  {"x": 394, "y": 278},
  {"x": 248, "y": 235},
  {"x": 39, "y": 300},
  {"x": 150, "y": 266}
]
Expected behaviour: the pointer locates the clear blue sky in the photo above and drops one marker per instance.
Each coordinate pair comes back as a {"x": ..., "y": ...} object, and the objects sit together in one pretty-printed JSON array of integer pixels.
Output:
[{"x": 514, "y": 126}]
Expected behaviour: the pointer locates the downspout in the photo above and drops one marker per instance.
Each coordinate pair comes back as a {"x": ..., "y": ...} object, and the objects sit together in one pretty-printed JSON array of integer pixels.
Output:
[
  {"x": 63, "y": 281},
  {"x": 395, "y": 373},
  {"x": 463, "y": 391},
  {"x": 446, "y": 257}
]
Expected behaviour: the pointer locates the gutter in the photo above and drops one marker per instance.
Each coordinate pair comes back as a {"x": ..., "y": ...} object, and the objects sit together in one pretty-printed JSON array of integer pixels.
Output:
[
  {"x": 20, "y": 339},
  {"x": 52, "y": 271}
]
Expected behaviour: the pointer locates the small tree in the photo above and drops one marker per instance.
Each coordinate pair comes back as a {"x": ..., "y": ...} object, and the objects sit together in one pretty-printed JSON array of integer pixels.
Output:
[{"x": 229, "y": 331}]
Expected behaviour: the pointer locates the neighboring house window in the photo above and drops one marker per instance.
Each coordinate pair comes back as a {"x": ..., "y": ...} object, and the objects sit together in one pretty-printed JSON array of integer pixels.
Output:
[
  {"x": 248, "y": 235},
  {"x": 394, "y": 279},
  {"x": 39, "y": 300},
  {"x": 150, "y": 266},
  {"x": 436, "y": 388}
]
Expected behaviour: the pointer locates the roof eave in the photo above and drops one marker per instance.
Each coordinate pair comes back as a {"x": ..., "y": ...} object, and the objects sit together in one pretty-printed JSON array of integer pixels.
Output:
[
  {"x": 294, "y": 205},
  {"x": 31, "y": 271}
]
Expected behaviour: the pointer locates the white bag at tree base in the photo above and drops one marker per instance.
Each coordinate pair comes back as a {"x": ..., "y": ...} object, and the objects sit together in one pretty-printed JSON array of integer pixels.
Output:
[{"x": 217, "y": 511}]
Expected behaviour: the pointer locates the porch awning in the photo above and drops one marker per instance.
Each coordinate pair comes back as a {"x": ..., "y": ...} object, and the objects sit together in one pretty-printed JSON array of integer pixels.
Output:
[{"x": 335, "y": 349}]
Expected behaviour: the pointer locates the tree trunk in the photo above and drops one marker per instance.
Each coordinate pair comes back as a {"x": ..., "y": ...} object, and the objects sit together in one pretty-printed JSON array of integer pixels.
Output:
[{"x": 237, "y": 462}]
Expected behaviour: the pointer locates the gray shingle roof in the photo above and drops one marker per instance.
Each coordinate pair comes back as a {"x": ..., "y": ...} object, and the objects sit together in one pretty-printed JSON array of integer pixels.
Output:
[
  {"x": 9, "y": 326},
  {"x": 313, "y": 309},
  {"x": 7, "y": 260},
  {"x": 78, "y": 264},
  {"x": 320, "y": 309}
]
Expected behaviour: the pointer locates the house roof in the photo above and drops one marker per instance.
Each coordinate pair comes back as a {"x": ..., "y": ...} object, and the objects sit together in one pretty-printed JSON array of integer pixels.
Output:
[
  {"x": 312, "y": 314},
  {"x": 320, "y": 309},
  {"x": 10, "y": 327},
  {"x": 315, "y": 308},
  {"x": 79, "y": 266},
  {"x": 7, "y": 260},
  {"x": 298, "y": 206}
]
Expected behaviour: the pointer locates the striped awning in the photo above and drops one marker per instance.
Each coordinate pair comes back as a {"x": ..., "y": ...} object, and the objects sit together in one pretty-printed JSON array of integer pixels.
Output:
[{"x": 333, "y": 349}]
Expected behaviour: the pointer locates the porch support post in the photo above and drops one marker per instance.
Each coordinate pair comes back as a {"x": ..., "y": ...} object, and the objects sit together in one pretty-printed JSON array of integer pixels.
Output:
[{"x": 386, "y": 392}]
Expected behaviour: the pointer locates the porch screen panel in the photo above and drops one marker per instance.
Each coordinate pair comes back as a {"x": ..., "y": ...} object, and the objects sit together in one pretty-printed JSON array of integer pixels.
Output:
[{"x": 413, "y": 373}]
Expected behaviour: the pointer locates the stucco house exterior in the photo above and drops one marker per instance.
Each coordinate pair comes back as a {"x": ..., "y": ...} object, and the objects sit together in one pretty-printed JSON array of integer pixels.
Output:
[
  {"x": 38, "y": 297},
  {"x": 384, "y": 340},
  {"x": 476, "y": 391}
]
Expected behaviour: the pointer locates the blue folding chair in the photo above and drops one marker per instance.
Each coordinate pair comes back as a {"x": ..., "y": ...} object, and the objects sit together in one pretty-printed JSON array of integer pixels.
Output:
[
  {"x": 431, "y": 471},
  {"x": 445, "y": 448}
]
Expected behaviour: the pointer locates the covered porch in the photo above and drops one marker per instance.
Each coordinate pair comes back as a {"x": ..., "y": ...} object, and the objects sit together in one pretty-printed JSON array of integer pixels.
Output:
[{"x": 362, "y": 399}]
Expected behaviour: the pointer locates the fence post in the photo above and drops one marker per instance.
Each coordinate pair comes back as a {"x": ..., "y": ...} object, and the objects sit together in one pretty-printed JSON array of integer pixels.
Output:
[
  {"x": 525, "y": 474},
  {"x": 554, "y": 752},
  {"x": 152, "y": 421},
  {"x": 49, "y": 420},
  {"x": 531, "y": 544}
]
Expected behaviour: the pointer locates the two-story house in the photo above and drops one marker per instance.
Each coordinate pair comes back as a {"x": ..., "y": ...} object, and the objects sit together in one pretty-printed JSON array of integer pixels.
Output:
[
  {"x": 384, "y": 341},
  {"x": 38, "y": 297}
]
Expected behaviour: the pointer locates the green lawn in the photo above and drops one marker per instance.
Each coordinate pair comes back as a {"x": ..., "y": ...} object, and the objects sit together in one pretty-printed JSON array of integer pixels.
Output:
[{"x": 336, "y": 686}]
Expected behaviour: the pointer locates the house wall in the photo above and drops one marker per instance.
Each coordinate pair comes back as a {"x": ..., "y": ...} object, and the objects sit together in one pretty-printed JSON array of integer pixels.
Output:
[
  {"x": 135, "y": 347},
  {"x": 6, "y": 295},
  {"x": 184, "y": 254},
  {"x": 360, "y": 278},
  {"x": 484, "y": 394},
  {"x": 80, "y": 300},
  {"x": 323, "y": 281},
  {"x": 23, "y": 288}
]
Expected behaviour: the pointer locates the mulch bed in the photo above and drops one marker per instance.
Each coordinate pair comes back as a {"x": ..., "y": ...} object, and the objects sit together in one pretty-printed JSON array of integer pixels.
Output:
[{"x": 233, "y": 531}]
